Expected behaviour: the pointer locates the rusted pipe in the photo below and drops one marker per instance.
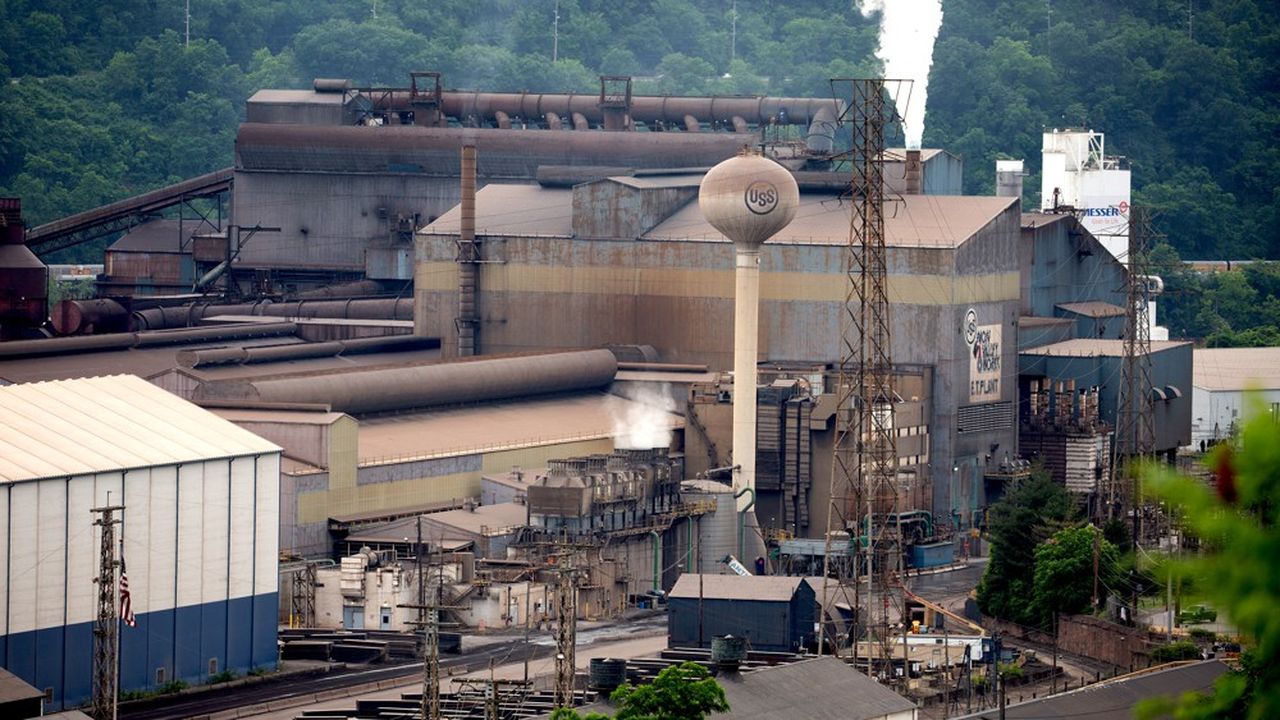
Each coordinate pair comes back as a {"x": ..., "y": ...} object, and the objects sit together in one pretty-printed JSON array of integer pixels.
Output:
[
  {"x": 300, "y": 351},
  {"x": 124, "y": 341},
  {"x": 399, "y": 388},
  {"x": 740, "y": 124},
  {"x": 755, "y": 110},
  {"x": 503, "y": 120},
  {"x": 580, "y": 122},
  {"x": 553, "y": 121},
  {"x": 73, "y": 317},
  {"x": 691, "y": 124}
]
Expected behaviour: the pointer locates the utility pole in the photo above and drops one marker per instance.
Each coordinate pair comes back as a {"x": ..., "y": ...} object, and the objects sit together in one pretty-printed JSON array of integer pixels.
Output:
[
  {"x": 106, "y": 648},
  {"x": 429, "y": 622},
  {"x": 1097, "y": 542},
  {"x": 187, "y": 42},
  {"x": 566, "y": 625},
  {"x": 1054, "y": 688}
]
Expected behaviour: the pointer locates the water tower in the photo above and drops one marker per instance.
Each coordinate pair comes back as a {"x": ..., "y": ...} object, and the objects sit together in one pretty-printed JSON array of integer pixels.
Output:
[{"x": 748, "y": 198}]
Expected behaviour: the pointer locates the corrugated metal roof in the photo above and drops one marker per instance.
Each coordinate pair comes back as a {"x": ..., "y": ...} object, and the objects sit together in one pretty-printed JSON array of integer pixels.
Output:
[
  {"x": 292, "y": 417},
  {"x": 158, "y": 236},
  {"x": 497, "y": 426},
  {"x": 769, "y": 588},
  {"x": 1114, "y": 699},
  {"x": 1237, "y": 368},
  {"x": 1093, "y": 309},
  {"x": 497, "y": 519},
  {"x": 650, "y": 182},
  {"x": 824, "y": 688},
  {"x": 76, "y": 427},
  {"x": 297, "y": 97},
  {"x": 1037, "y": 219},
  {"x": 513, "y": 210},
  {"x": 1095, "y": 347},
  {"x": 1027, "y": 321},
  {"x": 823, "y": 219}
]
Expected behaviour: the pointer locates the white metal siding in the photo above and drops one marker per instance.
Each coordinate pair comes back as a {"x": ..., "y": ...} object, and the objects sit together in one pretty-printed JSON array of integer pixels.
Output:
[{"x": 159, "y": 563}]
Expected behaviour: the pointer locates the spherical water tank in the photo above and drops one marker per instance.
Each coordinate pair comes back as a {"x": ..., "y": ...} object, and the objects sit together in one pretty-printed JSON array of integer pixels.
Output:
[{"x": 749, "y": 198}]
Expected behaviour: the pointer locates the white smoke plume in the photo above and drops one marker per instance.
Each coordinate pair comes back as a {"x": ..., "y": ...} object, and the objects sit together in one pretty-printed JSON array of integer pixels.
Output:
[
  {"x": 645, "y": 422},
  {"x": 908, "y": 29}
]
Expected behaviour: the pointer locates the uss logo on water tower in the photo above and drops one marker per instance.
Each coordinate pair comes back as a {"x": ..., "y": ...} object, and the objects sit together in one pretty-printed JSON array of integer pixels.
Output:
[{"x": 761, "y": 197}]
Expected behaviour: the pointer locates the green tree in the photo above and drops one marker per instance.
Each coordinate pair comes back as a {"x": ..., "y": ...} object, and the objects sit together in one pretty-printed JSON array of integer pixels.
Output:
[
  {"x": 1064, "y": 572},
  {"x": 1027, "y": 515},
  {"x": 1239, "y": 523},
  {"x": 680, "y": 692}
]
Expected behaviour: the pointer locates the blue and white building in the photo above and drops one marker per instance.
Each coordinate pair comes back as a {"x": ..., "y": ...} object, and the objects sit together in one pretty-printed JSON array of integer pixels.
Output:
[{"x": 200, "y": 534}]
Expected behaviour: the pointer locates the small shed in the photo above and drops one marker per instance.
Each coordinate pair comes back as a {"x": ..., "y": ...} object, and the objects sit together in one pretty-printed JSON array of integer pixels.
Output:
[{"x": 773, "y": 613}]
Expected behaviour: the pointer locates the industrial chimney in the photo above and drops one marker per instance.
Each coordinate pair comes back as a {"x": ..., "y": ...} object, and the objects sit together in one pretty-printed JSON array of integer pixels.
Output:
[
  {"x": 749, "y": 198},
  {"x": 1009, "y": 176},
  {"x": 914, "y": 171}
]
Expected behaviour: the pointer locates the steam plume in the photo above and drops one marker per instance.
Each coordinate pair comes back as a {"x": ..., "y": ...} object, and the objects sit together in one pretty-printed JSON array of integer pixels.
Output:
[
  {"x": 908, "y": 29},
  {"x": 646, "y": 421}
]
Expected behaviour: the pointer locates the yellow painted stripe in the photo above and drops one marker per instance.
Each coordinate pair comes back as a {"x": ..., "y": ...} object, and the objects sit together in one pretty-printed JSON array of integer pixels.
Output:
[{"x": 694, "y": 283}]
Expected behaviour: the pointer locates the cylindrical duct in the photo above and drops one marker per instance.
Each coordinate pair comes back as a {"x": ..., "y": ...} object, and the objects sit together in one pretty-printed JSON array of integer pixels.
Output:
[
  {"x": 428, "y": 385},
  {"x": 746, "y": 327},
  {"x": 72, "y": 317}
]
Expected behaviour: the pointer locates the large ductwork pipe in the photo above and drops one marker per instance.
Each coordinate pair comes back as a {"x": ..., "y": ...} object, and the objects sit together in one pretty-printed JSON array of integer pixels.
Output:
[
  {"x": 351, "y": 309},
  {"x": 300, "y": 351},
  {"x": 419, "y": 386},
  {"x": 124, "y": 341},
  {"x": 73, "y": 317},
  {"x": 501, "y": 153},
  {"x": 644, "y": 108},
  {"x": 821, "y": 138}
]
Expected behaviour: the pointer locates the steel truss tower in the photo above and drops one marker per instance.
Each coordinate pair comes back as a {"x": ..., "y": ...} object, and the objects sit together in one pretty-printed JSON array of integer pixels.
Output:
[
  {"x": 864, "y": 470},
  {"x": 1136, "y": 438}
]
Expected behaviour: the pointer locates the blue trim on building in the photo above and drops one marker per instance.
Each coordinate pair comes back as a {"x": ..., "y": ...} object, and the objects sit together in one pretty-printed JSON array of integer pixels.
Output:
[{"x": 62, "y": 657}]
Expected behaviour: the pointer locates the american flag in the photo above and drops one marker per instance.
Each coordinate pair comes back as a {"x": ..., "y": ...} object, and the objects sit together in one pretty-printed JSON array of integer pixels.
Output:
[{"x": 126, "y": 604}]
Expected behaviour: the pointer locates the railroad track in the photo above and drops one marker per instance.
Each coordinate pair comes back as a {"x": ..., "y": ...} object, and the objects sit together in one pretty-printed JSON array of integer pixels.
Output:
[{"x": 285, "y": 691}]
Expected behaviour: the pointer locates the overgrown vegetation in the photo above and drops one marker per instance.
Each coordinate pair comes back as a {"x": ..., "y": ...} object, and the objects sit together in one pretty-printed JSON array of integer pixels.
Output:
[
  {"x": 680, "y": 692},
  {"x": 1239, "y": 524},
  {"x": 101, "y": 101}
]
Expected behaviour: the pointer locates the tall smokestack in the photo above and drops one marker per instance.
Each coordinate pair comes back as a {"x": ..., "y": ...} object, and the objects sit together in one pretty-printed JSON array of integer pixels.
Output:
[
  {"x": 749, "y": 199},
  {"x": 915, "y": 171},
  {"x": 468, "y": 258}
]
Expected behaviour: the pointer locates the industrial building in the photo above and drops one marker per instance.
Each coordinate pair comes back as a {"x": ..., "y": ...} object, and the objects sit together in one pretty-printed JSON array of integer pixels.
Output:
[
  {"x": 1226, "y": 382},
  {"x": 772, "y": 614},
  {"x": 199, "y": 532}
]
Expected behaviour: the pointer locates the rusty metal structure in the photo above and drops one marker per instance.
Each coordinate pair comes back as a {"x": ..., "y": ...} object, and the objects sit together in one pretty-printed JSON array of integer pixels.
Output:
[
  {"x": 864, "y": 472},
  {"x": 624, "y": 493},
  {"x": 23, "y": 278},
  {"x": 468, "y": 258}
]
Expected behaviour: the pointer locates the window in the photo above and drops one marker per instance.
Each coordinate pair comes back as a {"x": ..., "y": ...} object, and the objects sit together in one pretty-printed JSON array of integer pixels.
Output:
[
  {"x": 213, "y": 666},
  {"x": 159, "y": 676}
]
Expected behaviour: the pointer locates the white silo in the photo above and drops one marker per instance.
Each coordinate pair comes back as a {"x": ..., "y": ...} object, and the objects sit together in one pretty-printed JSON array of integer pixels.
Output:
[{"x": 748, "y": 198}]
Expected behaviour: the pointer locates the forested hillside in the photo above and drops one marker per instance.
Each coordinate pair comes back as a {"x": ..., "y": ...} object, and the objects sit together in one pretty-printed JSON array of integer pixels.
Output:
[{"x": 104, "y": 100}]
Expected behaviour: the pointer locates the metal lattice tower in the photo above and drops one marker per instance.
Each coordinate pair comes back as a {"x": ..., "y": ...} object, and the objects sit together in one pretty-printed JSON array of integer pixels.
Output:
[
  {"x": 1136, "y": 438},
  {"x": 566, "y": 625},
  {"x": 106, "y": 629},
  {"x": 304, "y": 596},
  {"x": 865, "y": 456}
]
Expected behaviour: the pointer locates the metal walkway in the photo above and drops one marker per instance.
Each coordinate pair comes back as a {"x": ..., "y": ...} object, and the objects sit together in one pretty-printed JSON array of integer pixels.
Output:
[{"x": 117, "y": 216}]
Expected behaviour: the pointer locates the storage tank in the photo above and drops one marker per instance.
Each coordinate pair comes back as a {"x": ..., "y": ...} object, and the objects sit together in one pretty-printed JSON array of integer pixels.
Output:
[{"x": 24, "y": 279}]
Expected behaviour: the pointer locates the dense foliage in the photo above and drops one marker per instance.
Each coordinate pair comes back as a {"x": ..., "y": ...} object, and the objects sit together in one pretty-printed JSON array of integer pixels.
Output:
[
  {"x": 680, "y": 692},
  {"x": 1026, "y": 516},
  {"x": 1240, "y": 526},
  {"x": 102, "y": 100}
]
